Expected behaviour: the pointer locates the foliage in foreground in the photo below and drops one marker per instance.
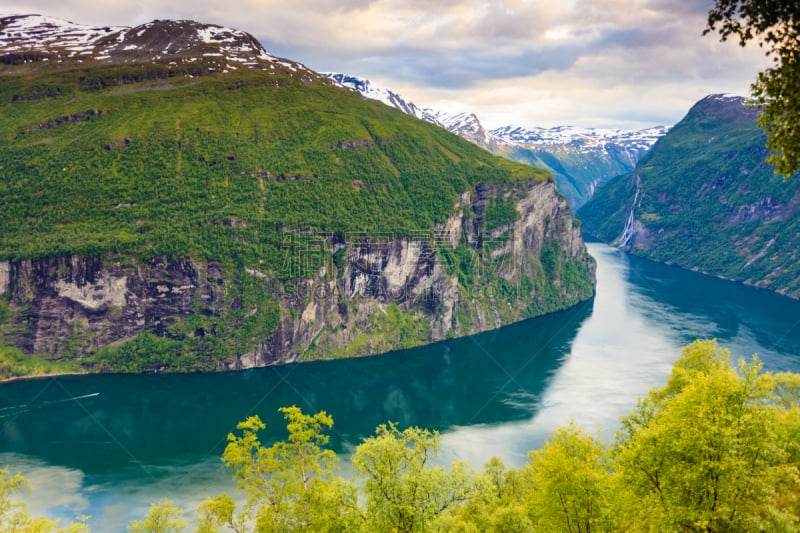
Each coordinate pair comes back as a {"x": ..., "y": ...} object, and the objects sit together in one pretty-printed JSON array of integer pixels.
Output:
[
  {"x": 716, "y": 449},
  {"x": 14, "y": 515}
]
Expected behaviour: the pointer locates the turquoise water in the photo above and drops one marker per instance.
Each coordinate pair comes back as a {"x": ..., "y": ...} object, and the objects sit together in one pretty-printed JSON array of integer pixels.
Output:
[{"x": 106, "y": 446}]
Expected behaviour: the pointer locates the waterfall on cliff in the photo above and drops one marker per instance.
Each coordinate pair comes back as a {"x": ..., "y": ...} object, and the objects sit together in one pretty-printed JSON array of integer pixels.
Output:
[{"x": 625, "y": 237}]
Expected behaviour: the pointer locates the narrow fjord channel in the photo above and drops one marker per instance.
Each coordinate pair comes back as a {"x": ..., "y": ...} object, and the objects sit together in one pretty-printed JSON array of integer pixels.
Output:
[{"x": 108, "y": 445}]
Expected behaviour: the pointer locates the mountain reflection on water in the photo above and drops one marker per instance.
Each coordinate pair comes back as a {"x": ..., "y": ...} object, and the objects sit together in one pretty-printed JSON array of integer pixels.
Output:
[{"x": 108, "y": 445}]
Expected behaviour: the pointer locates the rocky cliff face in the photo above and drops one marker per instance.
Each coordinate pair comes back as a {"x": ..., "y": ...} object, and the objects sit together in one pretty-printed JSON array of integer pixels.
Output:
[
  {"x": 63, "y": 300},
  {"x": 357, "y": 296}
]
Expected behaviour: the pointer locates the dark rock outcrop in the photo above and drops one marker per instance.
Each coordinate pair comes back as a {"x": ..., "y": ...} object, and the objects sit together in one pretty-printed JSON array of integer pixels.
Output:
[{"x": 73, "y": 306}]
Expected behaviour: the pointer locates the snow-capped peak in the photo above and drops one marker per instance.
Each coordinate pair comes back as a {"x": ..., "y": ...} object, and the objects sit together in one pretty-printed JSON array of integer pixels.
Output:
[
  {"x": 582, "y": 139},
  {"x": 31, "y": 38},
  {"x": 376, "y": 92},
  {"x": 38, "y": 32},
  {"x": 466, "y": 125},
  {"x": 725, "y": 97}
]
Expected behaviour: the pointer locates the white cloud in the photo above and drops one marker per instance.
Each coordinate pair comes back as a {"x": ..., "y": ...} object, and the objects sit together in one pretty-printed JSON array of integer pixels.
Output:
[{"x": 586, "y": 62}]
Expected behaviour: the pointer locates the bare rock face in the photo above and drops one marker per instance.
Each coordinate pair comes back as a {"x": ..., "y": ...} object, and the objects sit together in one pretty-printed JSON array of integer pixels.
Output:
[
  {"x": 102, "y": 302},
  {"x": 380, "y": 294},
  {"x": 356, "y": 313},
  {"x": 4, "y": 276}
]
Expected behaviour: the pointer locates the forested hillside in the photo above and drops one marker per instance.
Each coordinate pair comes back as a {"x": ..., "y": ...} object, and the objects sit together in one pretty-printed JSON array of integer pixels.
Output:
[
  {"x": 704, "y": 198},
  {"x": 174, "y": 198}
]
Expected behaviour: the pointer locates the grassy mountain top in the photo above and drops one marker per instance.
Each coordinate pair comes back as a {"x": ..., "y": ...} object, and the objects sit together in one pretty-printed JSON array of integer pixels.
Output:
[{"x": 153, "y": 159}]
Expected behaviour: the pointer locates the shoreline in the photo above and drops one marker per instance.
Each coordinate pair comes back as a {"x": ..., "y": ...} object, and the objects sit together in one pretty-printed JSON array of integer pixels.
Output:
[
  {"x": 43, "y": 376},
  {"x": 298, "y": 361},
  {"x": 693, "y": 269}
]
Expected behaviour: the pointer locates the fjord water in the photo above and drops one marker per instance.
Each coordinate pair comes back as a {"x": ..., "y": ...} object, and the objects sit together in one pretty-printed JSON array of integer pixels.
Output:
[{"x": 106, "y": 446}]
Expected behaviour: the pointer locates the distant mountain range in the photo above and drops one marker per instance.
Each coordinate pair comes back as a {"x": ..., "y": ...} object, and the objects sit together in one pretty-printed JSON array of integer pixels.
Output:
[
  {"x": 464, "y": 125},
  {"x": 703, "y": 198},
  {"x": 634, "y": 142},
  {"x": 580, "y": 159}
]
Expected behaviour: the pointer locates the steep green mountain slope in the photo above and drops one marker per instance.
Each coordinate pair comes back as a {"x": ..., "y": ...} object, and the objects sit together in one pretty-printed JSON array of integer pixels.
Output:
[
  {"x": 704, "y": 199},
  {"x": 159, "y": 167},
  {"x": 198, "y": 211}
]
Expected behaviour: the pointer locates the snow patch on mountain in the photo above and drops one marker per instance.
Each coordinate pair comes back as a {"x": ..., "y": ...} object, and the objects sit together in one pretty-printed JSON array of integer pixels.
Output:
[
  {"x": 727, "y": 97},
  {"x": 42, "y": 38},
  {"x": 579, "y": 139},
  {"x": 465, "y": 125},
  {"x": 377, "y": 92},
  {"x": 26, "y": 32},
  {"x": 468, "y": 126}
]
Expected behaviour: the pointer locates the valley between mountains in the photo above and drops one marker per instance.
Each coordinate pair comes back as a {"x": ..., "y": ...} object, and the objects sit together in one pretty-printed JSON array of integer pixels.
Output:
[
  {"x": 177, "y": 204},
  {"x": 580, "y": 159}
]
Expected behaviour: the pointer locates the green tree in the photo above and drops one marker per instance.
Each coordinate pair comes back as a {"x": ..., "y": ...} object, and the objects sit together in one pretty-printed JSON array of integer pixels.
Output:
[
  {"x": 713, "y": 450},
  {"x": 163, "y": 517},
  {"x": 290, "y": 485},
  {"x": 776, "y": 25},
  {"x": 215, "y": 513},
  {"x": 570, "y": 478},
  {"x": 404, "y": 491},
  {"x": 498, "y": 502}
]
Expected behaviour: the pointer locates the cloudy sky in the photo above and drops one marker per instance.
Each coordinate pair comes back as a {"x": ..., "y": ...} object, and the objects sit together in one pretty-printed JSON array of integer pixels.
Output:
[{"x": 591, "y": 63}]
